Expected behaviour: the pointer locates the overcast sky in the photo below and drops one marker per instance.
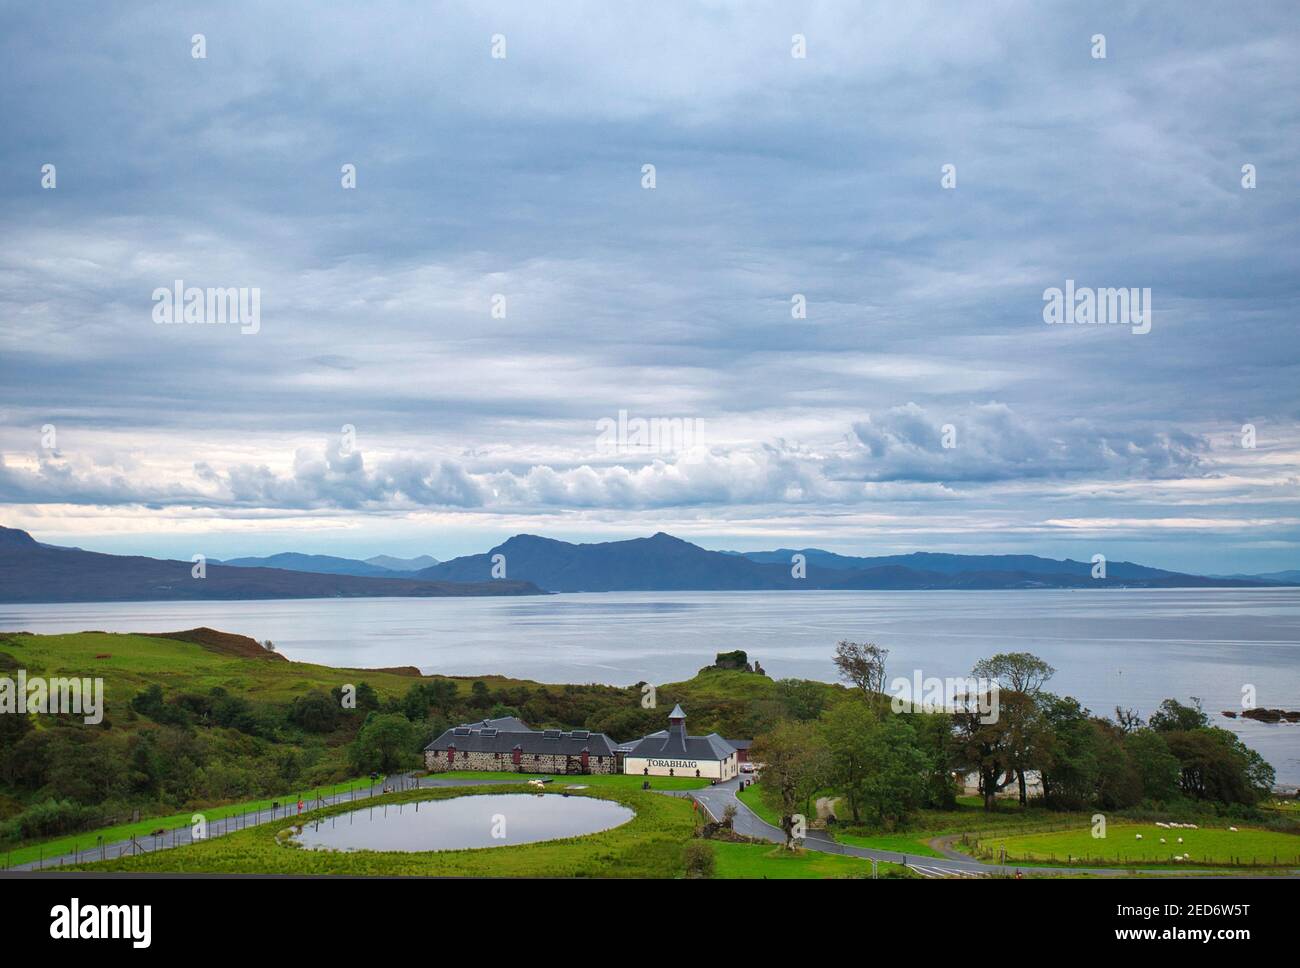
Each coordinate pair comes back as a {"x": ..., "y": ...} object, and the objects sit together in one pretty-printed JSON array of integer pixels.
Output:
[{"x": 775, "y": 175}]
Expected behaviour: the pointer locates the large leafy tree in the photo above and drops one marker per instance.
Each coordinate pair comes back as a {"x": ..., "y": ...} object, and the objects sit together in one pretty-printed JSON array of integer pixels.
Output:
[
  {"x": 795, "y": 765},
  {"x": 876, "y": 764},
  {"x": 1020, "y": 677},
  {"x": 1069, "y": 765},
  {"x": 985, "y": 747},
  {"x": 387, "y": 742},
  {"x": 848, "y": 728}
]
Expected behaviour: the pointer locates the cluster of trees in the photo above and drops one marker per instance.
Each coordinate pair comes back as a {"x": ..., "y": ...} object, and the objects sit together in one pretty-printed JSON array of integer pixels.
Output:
[{"x": 886, "y": 764}]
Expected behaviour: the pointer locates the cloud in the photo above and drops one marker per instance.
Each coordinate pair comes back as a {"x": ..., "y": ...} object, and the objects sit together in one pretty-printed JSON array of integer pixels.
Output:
[
  {"x": 776, "y": 176},
  {"x": 991, "y": 442}
]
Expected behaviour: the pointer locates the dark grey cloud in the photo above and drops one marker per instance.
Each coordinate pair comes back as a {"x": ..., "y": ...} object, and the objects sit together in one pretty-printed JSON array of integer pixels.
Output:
[{"x": 775, "y": 176}]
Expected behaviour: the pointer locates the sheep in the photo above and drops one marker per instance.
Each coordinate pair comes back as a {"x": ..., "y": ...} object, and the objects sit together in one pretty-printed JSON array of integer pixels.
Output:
[
  {"x": 1180, "y": 840},
  {"x": 1161, "y": 823},
  {"x": 1233, "y": 829},
  {"x": 1162, "y": 840},
  {"x": 1139, "y": 836}
]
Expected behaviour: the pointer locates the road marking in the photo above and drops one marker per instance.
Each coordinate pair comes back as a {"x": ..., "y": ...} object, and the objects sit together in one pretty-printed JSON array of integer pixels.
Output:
[{"x": 936, "y": 872}]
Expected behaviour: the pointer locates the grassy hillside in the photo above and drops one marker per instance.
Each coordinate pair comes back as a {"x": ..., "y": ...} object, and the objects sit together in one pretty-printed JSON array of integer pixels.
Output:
[{"x": 200, "y": 719}]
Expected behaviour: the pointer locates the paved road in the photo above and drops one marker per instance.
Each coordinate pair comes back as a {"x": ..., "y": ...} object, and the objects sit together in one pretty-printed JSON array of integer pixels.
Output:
[
  {"x": 181, "y": 836},
  {"x": 715, "y": 799}
]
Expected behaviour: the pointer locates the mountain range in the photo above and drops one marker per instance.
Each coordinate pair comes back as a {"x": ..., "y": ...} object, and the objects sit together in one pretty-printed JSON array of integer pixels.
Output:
[
  {"x": 35, "y": 572},
  {"x": 665, "y": 563},
  {"x": 380, "y": 566}
]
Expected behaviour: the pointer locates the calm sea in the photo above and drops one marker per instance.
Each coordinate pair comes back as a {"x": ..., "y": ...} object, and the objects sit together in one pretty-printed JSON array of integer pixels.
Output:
[{"x": 1113, "y": 647}]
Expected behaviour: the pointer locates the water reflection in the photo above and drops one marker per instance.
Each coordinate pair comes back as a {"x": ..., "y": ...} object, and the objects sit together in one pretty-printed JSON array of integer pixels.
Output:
[{"x": 486, "y": 820}]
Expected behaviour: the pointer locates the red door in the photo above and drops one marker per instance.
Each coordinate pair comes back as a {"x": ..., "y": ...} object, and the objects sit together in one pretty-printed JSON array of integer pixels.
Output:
[{"x": 451, "y": 755}]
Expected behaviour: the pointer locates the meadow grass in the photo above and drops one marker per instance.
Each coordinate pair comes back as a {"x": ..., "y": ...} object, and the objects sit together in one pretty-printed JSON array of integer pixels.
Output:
[
  {"x": 766, "y": 861},
  {"x": 144, "y": 828},
  {"x": 649, "y": 845},
  {"x": 1120, "y": 846}
]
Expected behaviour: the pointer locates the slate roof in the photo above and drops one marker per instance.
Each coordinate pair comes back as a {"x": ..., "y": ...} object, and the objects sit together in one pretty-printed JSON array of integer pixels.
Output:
[
  {"x": 741, "y": 744},
  {"x": 488, "y": 737},
  {"x": 506, "y": 724},
  {"x": 672, "y": 744}
]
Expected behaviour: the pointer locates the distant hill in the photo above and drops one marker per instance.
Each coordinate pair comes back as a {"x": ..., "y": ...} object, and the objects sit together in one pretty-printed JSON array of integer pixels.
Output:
[
  {"x": 316, "y": 564},
  {"x": 948, "y": 564},
  {"x": 402, "y": 564},
  {"x": 661, "y": 562},
  {"x": 665, "y": 563},
  {"x": 1273, "y": 577},
  {"x": 31, "y": 572}
]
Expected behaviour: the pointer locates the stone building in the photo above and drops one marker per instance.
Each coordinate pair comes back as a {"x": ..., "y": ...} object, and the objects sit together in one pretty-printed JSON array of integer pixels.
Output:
[{"x": 509, "y": 745}]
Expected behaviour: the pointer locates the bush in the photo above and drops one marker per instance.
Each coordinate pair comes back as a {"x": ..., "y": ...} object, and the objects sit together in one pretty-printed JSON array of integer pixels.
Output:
[
  {"x": 699, "y": 859},
  {"x": 49, "y": 818}
]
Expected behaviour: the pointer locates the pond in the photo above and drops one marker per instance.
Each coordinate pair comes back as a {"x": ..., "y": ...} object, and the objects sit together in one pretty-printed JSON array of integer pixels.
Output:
[{"x": 484, "y": 820}]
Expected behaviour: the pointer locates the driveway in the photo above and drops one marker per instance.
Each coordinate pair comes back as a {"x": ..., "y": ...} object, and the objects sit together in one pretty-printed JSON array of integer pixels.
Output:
[{"x": 715, "y": 799}]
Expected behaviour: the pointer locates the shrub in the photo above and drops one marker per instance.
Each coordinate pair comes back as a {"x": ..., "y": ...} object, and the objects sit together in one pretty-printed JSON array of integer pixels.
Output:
[{"x": 699, "y": 859}]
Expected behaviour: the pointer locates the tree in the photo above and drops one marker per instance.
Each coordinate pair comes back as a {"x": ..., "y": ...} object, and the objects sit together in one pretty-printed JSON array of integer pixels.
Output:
[
  {"x": 876, "y": 764},
  {"x": 862, "y": 666},
  {"x": 1020, "y": 677},
  {"x": 1215, "y": 765},
  {"x": 985, "y": 747},
  {"x": 1069, "y": 762},
  {"x": 1128, "y": 720},
  {"x": 847, "y": 729},
  {"x": 315, "y": 712},
  {"x": 1018, "y": 671},
  {"x": 1155, "y": 765},
  {"x": 1173, "y": 716},
  {"x": 795, "y": 764},
  {"x": 387, "y": 743},
  {"x": 895, "y": 780},
  {"x": 801, "y": 698}
]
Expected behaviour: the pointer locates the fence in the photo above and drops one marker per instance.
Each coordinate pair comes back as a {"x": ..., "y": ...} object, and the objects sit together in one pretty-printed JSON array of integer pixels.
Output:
[{"x": 182, "y": 835}]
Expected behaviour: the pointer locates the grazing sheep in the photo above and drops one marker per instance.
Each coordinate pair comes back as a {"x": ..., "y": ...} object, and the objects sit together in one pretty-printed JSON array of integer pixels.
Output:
[
  {"x": 1139, "y": 836},
  {"x": 1161, "y": 823},
  {"x": 1233, "y": 829},
  {"x": 1180, "y": 840},
  {"x": 1162, "y": 840}
]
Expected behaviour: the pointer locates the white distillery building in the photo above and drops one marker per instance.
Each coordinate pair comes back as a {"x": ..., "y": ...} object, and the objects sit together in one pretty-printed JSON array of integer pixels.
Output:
[{"x": 670, "y": 752}]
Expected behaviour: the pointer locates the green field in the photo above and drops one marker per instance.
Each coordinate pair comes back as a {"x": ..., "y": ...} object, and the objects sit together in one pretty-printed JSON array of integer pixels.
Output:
[
  {"x": 903, "y": 843},
  {"x": 1216, "y": 845},
  {"x": 649, "y": 845},
  {"x": 132, "y": 662},
  {"x": 144, "y": 828},
  {"x": 750, "y": 797},
  {"x": 766, "y": 861},
  {"x": 926, "y": 825}
]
